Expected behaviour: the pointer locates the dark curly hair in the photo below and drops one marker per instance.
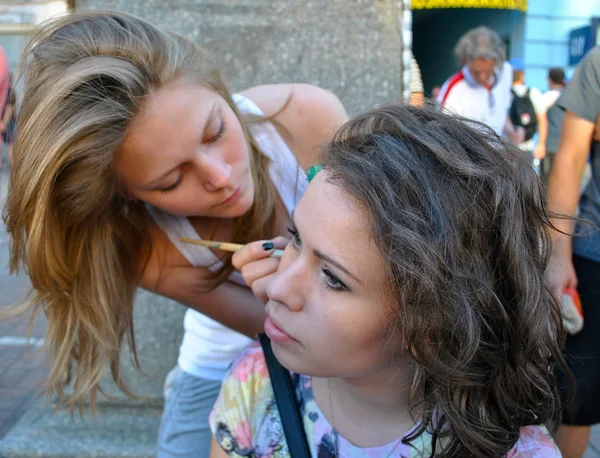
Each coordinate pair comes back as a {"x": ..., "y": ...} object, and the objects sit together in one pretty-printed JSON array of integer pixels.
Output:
[{"x": 460, "y": 221}]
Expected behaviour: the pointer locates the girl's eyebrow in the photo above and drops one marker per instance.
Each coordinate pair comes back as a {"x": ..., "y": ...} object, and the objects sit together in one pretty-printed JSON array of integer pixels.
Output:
[
  {"x": 154, "y": 183},
  {"x": 328, "y": 259},
  {"x": 324, "y": 257},
  {"x": 209, "y": 119}
]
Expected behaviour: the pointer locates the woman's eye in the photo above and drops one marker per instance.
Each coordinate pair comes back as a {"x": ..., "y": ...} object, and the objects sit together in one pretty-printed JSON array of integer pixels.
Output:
[
  {"x": 171, "y": 187},
  {"x": 332, "y": 282},
  {"x": 218, "y": 135},
  {"x": 296, "y": 240}
]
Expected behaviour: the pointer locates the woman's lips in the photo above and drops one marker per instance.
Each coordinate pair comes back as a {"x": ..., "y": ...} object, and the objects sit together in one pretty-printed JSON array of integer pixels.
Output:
[
  {"x": 233, "y": 198},
  {"x": 275, "y": 333}
]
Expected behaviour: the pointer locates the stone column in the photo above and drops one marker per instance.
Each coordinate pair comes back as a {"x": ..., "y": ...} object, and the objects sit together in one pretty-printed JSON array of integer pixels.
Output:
[
  {"x": 355, "y": 48},
  {"x": 352, "y": 47}
]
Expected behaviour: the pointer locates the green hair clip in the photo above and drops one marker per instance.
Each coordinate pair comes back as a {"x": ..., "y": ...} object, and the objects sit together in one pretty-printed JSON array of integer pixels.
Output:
[{"x": 311, "y": 172}]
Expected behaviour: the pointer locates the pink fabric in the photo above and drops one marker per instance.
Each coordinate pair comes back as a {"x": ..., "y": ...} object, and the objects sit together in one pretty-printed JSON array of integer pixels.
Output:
[{"x": 4, "y": 77}]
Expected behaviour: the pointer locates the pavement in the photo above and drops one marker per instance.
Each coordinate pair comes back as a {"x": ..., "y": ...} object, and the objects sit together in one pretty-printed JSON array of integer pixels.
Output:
[{"x": 23, "y": 364}]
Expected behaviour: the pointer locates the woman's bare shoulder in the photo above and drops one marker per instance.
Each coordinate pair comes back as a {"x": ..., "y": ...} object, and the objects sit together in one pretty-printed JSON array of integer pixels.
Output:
[{"x": 309, "y": 114}]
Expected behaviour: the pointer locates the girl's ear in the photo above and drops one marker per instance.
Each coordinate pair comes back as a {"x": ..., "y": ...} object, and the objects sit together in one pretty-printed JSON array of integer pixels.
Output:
[{"x": 127, "y": 195}]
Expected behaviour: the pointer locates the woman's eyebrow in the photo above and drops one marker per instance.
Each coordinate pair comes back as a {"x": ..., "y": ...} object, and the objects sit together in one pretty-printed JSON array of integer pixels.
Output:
[
  {"x": 209, "y": 119},
  {"x": 324, "y": 257}
]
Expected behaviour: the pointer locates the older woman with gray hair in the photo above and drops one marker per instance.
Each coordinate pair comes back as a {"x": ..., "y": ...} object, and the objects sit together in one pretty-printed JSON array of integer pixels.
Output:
[{"x": 481, "y": 89}]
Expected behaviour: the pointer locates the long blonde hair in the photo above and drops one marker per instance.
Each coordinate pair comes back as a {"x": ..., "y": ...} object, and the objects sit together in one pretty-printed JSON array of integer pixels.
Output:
[{"x": 81, "y": 242}]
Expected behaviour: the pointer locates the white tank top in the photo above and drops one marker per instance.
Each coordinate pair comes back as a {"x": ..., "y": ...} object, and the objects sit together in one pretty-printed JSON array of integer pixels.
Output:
[{"x": 208, "y": 347}]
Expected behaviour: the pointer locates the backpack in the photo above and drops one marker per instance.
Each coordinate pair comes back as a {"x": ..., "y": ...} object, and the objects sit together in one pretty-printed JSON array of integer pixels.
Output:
[{"x": 522, "y": 113}]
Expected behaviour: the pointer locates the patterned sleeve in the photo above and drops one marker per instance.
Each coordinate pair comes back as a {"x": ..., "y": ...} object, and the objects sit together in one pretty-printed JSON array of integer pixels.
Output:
[
  {"x": 240, "y": 406},
  {"x": 535, "y": 442}
]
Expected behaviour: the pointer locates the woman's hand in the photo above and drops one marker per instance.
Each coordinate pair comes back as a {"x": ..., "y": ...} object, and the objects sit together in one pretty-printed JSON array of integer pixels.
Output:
[
  {"x": 256, "y": 265},
  {"x": 560, "y": 272}
]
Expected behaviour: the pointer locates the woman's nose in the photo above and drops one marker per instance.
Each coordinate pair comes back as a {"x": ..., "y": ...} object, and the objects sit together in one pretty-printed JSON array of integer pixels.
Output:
[
  {"x": 214, "y": 172},
  {"x": 289, "y": 286}
]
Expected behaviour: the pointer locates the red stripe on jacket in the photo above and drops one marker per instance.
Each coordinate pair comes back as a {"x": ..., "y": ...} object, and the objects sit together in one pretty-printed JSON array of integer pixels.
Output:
[{"x": 453, "y": 81}]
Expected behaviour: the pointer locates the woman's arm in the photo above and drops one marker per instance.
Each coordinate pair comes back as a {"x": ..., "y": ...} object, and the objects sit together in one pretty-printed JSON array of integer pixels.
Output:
[
  {"x": 216, "y": 451},
  {"x": 540, "y": 149},
  {"x": 310, "y": 117},
  {"x": 563, "y": 197},
  {"x": 169, "y": 274},
  {"x": 580, "y": 100},
  {"x": 565, "y": 180},
  {"x": 230, "y": 304}
]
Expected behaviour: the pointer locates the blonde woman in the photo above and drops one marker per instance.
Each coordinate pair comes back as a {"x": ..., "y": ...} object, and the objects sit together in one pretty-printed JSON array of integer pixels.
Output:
[{"x": 128, "y": 140}]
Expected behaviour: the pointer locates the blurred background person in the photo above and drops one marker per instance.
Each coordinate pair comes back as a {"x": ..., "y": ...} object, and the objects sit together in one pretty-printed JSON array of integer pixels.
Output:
[
  {"x": 555, "y": 116},
  {"x": 481, "y": 89},
  {"x": 575, "y": 261},
  {"x": 4, "y": 85},
  {"x": 528, "y": 111},
  {"x": 9, "y": 121}
]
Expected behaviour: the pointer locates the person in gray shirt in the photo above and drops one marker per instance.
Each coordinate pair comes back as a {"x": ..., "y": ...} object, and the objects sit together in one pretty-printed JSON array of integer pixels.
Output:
[
  {"x": 555, "y": 115},
  {"x": 575, "y": 261}
]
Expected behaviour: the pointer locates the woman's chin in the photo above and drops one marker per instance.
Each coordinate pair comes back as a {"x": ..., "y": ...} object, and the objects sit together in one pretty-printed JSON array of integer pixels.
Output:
[
  {"x": 294, "y": 361},
  {"x": 288, "y": 359}
]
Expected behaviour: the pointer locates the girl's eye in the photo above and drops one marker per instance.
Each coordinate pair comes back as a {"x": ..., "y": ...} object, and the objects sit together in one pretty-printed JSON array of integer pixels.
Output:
[
  {"x": 296, "y": 240},
  {"x": 172, "y": 187},
  {"x": 218, "y": 135},
  {"x": 332, "y": 282}
]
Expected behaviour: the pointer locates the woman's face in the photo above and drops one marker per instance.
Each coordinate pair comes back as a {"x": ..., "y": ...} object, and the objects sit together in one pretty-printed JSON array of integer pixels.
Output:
[
  {"x": 186, "y": 154},
  {"x": 329, "y": 302}
]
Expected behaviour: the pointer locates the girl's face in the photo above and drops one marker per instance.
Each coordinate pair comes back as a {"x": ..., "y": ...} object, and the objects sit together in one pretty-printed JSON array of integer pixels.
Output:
[
  {"x": 186, "y": 154},
  {"x": 329, "y": 302}
]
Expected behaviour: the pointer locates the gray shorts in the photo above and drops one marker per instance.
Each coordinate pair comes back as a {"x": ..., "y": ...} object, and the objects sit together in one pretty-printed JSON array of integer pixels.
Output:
[{"x": 184, "y": 431}]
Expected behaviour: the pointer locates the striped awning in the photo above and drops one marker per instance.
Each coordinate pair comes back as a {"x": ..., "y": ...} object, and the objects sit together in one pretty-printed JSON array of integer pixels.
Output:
[{"x": 520, "y": 5}]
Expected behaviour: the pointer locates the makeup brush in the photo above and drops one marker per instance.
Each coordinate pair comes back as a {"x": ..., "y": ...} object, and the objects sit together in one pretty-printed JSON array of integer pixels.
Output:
[{"x": 225, "y": 246}]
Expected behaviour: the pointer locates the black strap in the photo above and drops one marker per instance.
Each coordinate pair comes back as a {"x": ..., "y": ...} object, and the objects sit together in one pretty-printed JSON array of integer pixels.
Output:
[{"x": 286, "y": 403}]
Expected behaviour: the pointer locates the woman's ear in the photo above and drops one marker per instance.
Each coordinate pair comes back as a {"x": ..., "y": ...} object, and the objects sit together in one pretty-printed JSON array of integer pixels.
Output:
[{"x": 127, "y": 195}]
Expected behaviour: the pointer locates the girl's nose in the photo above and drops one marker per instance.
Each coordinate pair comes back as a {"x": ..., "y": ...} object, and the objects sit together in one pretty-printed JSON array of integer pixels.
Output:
[
  {"x": 214, "y": 172},
  {"x": 289, "y": 286}
]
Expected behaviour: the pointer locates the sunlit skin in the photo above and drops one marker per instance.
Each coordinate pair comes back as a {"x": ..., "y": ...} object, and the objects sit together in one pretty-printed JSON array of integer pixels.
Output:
[
  {"x": 328, "y": 291},
  {"x": 482, "y": 70},
  {"x": 204, "y": 170}
]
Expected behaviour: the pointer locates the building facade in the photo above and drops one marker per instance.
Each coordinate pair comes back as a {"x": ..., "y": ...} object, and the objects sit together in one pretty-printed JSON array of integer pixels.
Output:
[
  {"x": 547, "y": 31},
  {"x": 537, "y": 31},
  {"x": 18, "y": 20}
]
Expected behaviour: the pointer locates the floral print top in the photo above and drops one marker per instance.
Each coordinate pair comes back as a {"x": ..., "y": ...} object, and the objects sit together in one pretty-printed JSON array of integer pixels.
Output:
[{"x": 245, "y": 421}]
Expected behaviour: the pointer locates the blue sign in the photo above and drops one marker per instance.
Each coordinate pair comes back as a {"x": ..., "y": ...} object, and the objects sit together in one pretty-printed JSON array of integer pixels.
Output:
[{"x": 580, "y": 42}]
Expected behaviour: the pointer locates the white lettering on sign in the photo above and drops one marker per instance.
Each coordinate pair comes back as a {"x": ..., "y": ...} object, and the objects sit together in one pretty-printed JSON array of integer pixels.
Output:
[{"x": 577, "y": 46}]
